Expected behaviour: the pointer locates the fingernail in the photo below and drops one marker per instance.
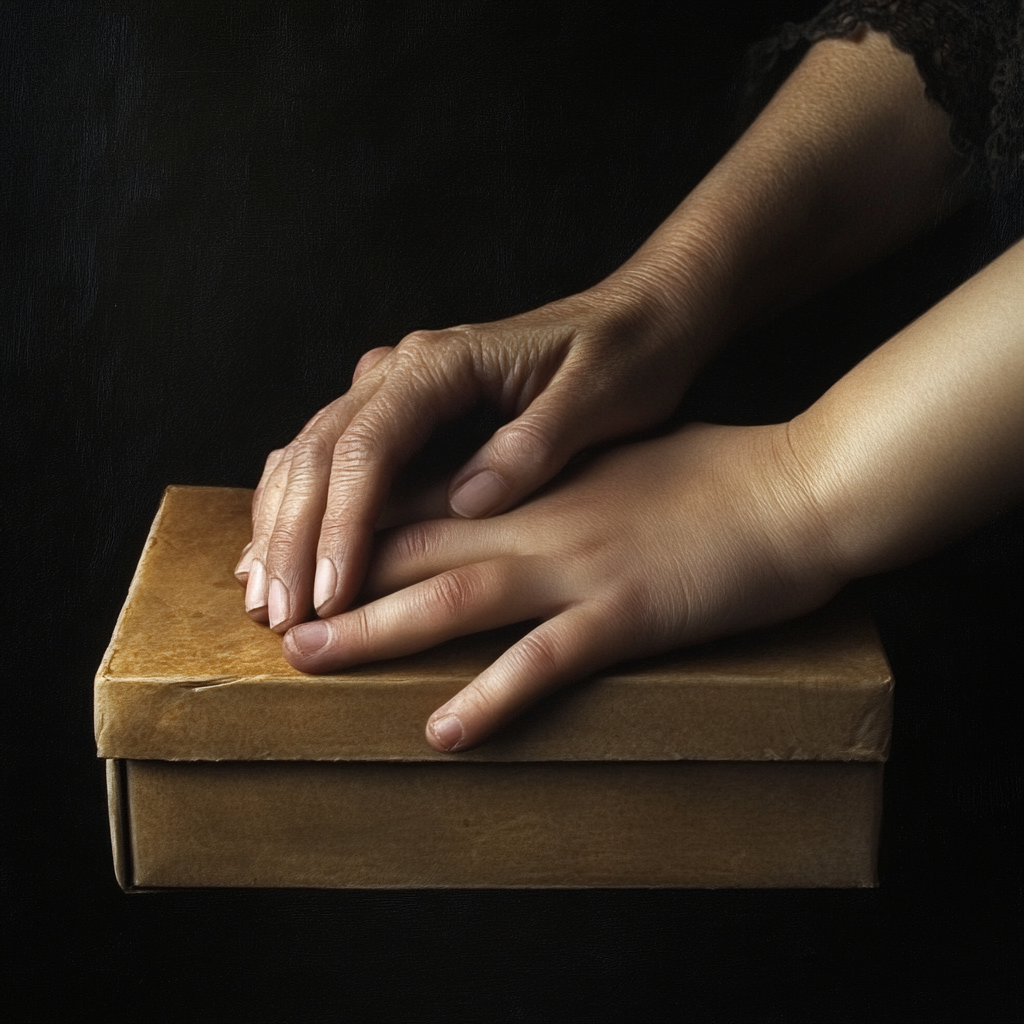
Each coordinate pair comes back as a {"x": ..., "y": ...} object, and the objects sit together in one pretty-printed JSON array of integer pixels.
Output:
[
  {"x": 256, "y": 588},
  {"x": 279, "y": 605},
  {"x": 325, "y": 584},
  {"x": 310, "y": 637},
  {"x": 448, "y": 731},
  {"x": 242, "y": 569},
  {"x": 479, "y": 495}
]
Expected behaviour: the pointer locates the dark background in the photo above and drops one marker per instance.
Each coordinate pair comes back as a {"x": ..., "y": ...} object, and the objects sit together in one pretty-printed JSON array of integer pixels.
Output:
[{"x": 210, "y": 210}]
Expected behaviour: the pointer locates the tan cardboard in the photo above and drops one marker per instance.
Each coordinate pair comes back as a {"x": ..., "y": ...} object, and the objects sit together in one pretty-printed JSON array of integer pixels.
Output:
[
  {"x": 580, "y": 824},
  {"x": 755, "y": 761},
  {"x": 188, "y": 676}
]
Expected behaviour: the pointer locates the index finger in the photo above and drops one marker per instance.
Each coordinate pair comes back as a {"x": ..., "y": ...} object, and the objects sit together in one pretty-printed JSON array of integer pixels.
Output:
[{"x": 416, "y": 386}]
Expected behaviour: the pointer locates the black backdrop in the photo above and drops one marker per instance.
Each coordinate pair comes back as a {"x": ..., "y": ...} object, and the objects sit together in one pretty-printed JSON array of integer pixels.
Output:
[{"x": 209, "y": 211}]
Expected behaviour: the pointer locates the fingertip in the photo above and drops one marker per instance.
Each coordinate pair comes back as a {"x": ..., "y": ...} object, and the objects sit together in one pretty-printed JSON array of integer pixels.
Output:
[
  {"x": 256, "y": 592},
  {"x": 244, "y": 562},
  {"x": 291, "y": 652},
  {"x": 339, "y": 575},
  {"x": 304, "y": 642},
  {"x": 259, "y": 615},
  {"x": 325, "y": 584},
  {"x": 279, "y": 605},
  {"x": 446, "y": 733}
]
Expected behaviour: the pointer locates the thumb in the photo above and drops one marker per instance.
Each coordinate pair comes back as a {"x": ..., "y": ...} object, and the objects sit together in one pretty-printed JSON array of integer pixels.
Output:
[{"x": 526, "y": 453}]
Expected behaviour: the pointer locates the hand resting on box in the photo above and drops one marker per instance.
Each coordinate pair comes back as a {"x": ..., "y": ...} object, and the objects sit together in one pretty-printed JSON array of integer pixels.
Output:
[
  {"x": 708, "y": 529},
  {"x": 711, "y": 529}
]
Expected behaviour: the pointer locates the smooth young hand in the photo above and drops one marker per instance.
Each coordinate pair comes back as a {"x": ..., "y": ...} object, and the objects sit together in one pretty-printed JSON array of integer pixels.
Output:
[{"x": 651, "y": 546}]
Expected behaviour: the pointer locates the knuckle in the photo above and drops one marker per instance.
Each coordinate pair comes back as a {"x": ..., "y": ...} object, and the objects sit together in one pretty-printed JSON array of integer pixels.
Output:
[
  {"x": 538, "y": 654},
  {"x": 413, "y": 544},
  {"x": 270, "y": 464},
  {"x": 431, "y": 356},
  {"x": 335, "y": 529},
  {"x": 358, "y": 625},
  {"x": 416, "y": 362},
  {"x": 526, "y": 439},
  {"x": 641, "y": 615},
  {"x": 416, "y": 344},
  {"x": 375, "y": 354},
  {"x": 309, "y": 449},
  {"x": 354, "y": 449},
  {"x": 453, "y": 594},
  {"x": 284, "y": 538}
]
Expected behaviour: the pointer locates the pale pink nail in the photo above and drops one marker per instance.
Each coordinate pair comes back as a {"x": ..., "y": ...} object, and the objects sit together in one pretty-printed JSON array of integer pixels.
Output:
[
  {"x": 448, "y": 731},
  {"x": 242, "y": 569},
  {"x": 479, "y": 495},
  {"x": 279, "y": 605},
  {"x": 309, "y": 637},
  {"x": 325, "y": 584},
  {"x": 256, "y": 588}
]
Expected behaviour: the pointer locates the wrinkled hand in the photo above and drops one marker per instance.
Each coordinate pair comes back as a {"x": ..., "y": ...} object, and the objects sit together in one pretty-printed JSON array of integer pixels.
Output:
[
  {"x": 572, "y": 373},
  {"x": 652, "y": 545}
]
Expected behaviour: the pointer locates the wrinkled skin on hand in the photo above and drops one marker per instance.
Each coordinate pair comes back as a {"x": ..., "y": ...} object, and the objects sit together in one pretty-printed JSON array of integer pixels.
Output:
[
  {"x": 650, "y": 546},
  {"x": 578, "y": 371}
]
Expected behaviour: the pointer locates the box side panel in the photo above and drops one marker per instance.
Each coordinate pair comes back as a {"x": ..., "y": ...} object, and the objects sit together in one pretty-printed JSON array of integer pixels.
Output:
[{"x": 358, "y": 825}]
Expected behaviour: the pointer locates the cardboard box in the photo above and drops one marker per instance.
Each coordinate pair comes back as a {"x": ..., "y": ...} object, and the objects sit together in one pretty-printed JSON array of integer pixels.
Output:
[{"x": 754, "y": 761}]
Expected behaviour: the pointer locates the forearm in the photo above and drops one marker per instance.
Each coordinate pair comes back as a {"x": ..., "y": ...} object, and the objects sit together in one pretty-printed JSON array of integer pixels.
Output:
[
  {"x": 847, "y": 162},
  {"x": 924, "y": 439}
]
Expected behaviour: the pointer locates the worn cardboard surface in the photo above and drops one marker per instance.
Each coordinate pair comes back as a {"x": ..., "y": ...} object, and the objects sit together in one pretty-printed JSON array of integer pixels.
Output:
[
  {"x": 188, "y": 676},
  {"x": 756, "y": 761},
  {"x": 617, "y": 823}
]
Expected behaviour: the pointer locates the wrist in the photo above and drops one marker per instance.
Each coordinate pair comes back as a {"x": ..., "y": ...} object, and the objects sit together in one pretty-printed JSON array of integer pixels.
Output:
[
  {"x": 677, "y": 290},
  {"x": 854, "y": 509},
  {"x": 752, "y": 534},
  {"x": 808, "y": 509}
]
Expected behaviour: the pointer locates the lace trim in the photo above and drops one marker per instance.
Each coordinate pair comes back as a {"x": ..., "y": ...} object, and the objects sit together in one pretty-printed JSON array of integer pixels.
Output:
[
  {"x": 971, "y": 58},
  {"x": 1004, "y": 147}
]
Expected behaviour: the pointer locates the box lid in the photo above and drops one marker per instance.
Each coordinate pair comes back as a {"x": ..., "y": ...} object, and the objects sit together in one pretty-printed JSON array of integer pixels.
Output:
[{"x": 188, "y": 676}]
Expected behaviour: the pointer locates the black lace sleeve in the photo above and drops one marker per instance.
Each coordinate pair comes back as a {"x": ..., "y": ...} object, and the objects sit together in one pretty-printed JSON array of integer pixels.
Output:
[{"x": 970, "y": 55}]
